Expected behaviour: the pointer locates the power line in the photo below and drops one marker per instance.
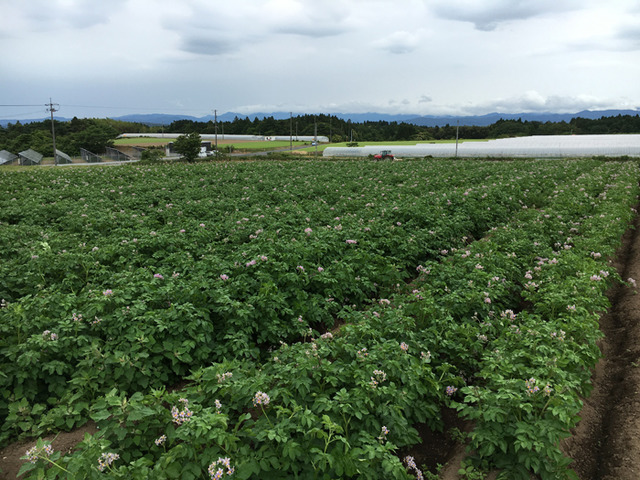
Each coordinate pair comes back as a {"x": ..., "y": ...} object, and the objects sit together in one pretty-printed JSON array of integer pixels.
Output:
[{"x": 37, "y": 105}]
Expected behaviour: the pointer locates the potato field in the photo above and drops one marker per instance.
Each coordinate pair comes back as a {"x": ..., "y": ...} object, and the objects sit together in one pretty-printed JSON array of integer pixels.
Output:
[{"x": 304, "y": 319}]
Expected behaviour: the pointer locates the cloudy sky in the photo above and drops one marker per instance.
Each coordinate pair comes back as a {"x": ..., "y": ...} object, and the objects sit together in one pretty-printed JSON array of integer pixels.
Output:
[{"x": 428, "y": 57}]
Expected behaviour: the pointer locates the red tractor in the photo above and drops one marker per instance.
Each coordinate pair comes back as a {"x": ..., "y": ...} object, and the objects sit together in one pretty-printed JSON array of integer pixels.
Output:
[{"x": 384, "y": 154}]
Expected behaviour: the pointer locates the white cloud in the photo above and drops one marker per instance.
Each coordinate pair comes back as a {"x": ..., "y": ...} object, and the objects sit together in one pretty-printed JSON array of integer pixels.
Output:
[
  {"x": 399, "y": 42},
  {"x": 322, "y": 55}
]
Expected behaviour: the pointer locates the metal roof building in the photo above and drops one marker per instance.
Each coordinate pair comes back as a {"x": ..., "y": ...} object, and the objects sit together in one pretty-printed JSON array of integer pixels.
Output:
[
  {"x": 7, "y": 157},
  {"x": 30, "y": 157},
  {"x": 551, "y": 146}
]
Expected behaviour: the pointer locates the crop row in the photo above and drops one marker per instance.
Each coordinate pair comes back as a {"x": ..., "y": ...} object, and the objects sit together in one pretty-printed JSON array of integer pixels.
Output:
[
  {"x": 500, "y": 323},
  {"x": 148, "y": 273}
]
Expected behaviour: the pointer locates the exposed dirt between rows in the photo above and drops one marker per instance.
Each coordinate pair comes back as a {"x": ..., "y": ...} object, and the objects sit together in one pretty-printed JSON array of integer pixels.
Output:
[
  {"x": 64, "y": 442},
  {"x": 605, "y": 445}
]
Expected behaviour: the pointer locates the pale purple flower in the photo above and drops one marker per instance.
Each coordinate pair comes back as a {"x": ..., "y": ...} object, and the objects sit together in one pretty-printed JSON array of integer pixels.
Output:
[
  {"x": 224, "y": 277},
  {"x": 451, "y": 390},
  {"x": 107, "y": 292},
  {"x": 404, "y": 347},
  {"x": 158, "y": 276},
  {"x": 202, "y": 225},
  {"x": 351, "y": 242},
  {"x": 308, "y": 231},
  {"x": 531, "y": 386},
  {"x": 34, "y": 452},
  {"x": 300, "y": 268},
  {"x": 160, "y": 440},
  {"x": 320, "y": 269},
  {"x": 106, "y": 459},
  {"x": 261, "y": 398},
  {"x": 632, "y": 282}
]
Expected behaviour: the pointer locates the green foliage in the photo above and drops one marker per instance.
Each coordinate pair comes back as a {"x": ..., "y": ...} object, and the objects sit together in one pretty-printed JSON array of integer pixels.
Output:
[
  {"x": 473, "y": 285},
  {"x": 188, "y": 146}
]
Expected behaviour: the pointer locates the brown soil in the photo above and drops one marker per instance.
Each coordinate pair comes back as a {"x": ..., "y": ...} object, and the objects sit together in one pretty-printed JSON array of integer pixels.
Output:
[
  {"x": 605, "y": 445},
  {"x": 64, "y": 442}
]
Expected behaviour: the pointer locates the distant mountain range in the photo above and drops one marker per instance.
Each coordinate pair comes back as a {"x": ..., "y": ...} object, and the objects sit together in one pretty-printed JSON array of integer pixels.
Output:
[{"x": 425, "y": 120}]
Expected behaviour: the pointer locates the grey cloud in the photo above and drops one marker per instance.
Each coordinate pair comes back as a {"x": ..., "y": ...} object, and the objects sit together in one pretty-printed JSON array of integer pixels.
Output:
[
  {"x": 212, "y": 27},
  {"x": 628, "y": 37},
  {"x": 203, "y": 45},
  {"x": 489, "y": 14},
  {"x": 47, "y": 15},
  {"x": 425, "y": 99}
]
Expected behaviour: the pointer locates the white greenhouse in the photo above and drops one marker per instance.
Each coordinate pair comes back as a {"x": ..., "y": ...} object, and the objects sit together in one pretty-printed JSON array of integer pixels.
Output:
[
  {"x": 534, "y": 147},
  {"x": 233, "y": 137}
]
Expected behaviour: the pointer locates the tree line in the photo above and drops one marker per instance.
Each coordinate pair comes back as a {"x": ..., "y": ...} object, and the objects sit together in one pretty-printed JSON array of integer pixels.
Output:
[{"x": 96, "y": 134}]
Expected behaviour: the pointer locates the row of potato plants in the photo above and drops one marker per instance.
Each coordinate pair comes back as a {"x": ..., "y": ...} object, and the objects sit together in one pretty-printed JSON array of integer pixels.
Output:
[
  {"x": 500, "y": 324},
  {"x": 145, "y": 273}
]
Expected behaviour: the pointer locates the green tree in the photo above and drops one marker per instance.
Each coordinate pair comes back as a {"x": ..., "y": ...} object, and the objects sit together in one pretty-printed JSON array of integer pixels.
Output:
[{"x": 188, "y": 146}]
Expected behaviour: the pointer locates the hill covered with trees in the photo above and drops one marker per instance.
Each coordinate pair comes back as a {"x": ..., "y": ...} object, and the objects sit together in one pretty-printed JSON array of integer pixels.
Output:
[{"x": 96, "y": 134}]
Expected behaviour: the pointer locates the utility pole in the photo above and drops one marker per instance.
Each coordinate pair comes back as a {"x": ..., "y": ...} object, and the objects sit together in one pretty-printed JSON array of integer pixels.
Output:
[
  {"x": 291, "y": 131},
  {"x": 52, "y": 108},
  {"x": 457, "y": 128},
  {"x": 315, "y": 134},
  {"x": 215, "y": 122}
]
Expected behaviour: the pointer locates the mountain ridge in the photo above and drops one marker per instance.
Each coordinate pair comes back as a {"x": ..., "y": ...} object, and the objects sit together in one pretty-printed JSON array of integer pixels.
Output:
[{"x": 156, "y": 119}]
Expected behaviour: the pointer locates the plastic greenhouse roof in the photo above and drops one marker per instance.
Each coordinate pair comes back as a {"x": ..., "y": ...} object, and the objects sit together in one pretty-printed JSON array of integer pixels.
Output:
[
  {"x": 533, "y": 146},
  {"x": 31, "y": 155},
  {"x": 63, "y": 157},
  {"x": 7, "y": 157}
]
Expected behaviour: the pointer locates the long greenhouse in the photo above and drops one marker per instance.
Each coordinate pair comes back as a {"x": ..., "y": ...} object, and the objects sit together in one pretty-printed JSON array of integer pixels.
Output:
[{"x": 534, "y": 146}]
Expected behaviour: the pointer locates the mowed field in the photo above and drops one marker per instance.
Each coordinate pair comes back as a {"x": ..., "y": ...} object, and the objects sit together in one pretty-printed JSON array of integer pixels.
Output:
[{"x": 305, "y": 319}]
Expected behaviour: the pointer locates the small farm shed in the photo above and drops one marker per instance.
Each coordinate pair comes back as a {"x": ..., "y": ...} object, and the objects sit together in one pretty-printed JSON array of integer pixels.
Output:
[
  {"x": 7, "y": 158},
  {"x": 62, "y": 158},
  {"x": 30, "y": 157}
]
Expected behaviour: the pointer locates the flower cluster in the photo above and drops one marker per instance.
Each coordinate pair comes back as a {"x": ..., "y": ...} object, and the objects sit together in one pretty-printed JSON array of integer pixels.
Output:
[
  {"x": 218, "y": 405},
  {"x": 384, "y": 431},
  {"x": 362, "y": 353},
  {"x": 222, "y": 377},
  {"x": 378, "y": 377},
  {"x": 224, "y": 277},
  {"x": 160, "y": 440},
  {"x": 181, "y": 416},
  {"x": 327, "y": 336},
  {"x": 49, "y": 335},
  {"x": 77, "y": 317},
  {"x": 106, "y": 459},
  {"x": 560, "y": 335},
  {"x": 34, "y": 452},
  {"x": 107, "y": 292},
  {"x": 632, "y": 282},
  {"x": 158, "y": 276},
  {"x": 217, "y": 472},
  {"x": 261, "y": 398},
  {"x": 451, "y": 390},
  {"x": 404, "y": 347},
  {"x": 411, "y": 465},
  {"x": 531, "y": 386},
  {"x": 426, "y": 356}
]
